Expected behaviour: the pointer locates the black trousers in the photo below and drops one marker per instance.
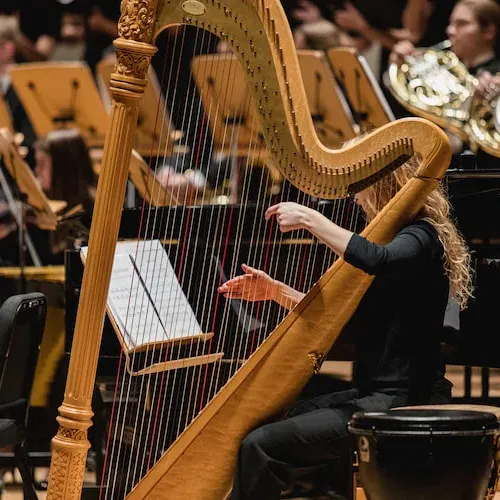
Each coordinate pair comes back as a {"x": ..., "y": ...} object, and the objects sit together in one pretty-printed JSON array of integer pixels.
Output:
[{"x": 312, "y": 438}]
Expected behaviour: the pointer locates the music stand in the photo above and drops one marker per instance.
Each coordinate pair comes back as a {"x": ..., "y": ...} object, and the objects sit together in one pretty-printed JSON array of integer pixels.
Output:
[
  {"x": 46, "y": 211},
  {"x": 61, "y": 95},
  {"x": 5, "y": 119},
  {"x": 330, "y": 111},
  {"x": 234, "y": 120},
  {"x": 145, "y": 181},
  {"x": 368, "y": 104},
  {"x": 155, "y": 133}
]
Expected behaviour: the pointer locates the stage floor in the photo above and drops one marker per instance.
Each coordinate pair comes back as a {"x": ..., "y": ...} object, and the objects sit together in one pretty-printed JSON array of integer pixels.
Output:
[{"x": 341, "y": 369}]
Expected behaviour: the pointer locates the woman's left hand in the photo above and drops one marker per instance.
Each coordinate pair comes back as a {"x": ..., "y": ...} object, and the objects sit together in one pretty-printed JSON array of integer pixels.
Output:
[
  {"x": 488, "y": 85},
  {"x": 350, "y": 19},
  {"x": 290, "y": 216}
]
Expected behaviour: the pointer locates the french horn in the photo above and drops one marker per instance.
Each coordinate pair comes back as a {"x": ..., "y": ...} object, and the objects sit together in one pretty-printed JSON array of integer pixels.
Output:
[
  {"x": 433, "y": 83},
  {"x": 484, "y": 124}
]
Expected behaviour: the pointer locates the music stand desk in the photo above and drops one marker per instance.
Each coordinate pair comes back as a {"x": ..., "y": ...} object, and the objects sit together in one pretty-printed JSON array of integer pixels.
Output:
[
  {"x": 46, "y": 211},
  {"x": 60, "y": 95},
  {"x": 233, "y": 117},
  {"x": 368, "y": 103}
]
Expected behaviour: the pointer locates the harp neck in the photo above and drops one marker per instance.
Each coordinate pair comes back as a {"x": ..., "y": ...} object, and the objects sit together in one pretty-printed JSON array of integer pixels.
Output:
[{"x": 257, "y": 32}]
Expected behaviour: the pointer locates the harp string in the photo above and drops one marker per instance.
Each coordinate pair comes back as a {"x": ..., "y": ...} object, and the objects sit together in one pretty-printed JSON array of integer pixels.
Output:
[
  {"x": 239, "y": 345},
  {"x": 203, "y": 383},
  {"x": 114, "y": 425},
  {"x": 181, "y": 272},
  {"x": 146, "y": 382},
  {"x": 299, "y": 260},
  {"x": 246, "y": 310},
  {"x": 210, "y": 386},
  {"x": 128, "y": 386},
  {"x": 182, "y": 278}
]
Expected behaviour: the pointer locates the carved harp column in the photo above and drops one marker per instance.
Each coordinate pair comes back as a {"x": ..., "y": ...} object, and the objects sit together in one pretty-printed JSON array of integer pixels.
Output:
[{"x": 134, "y": 52}]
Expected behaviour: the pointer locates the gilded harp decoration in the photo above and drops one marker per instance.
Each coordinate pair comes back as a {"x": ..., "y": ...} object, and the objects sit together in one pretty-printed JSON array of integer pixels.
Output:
[{"x": 199, "y": 464}]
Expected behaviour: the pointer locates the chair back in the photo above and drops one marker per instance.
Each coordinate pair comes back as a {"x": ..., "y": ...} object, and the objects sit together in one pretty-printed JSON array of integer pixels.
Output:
[{"x": 22, "y": 320}]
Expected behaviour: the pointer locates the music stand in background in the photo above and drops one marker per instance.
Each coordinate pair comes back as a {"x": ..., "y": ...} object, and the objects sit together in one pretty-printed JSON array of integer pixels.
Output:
[
  {"x": 227, "y": 101},
  {"x": 47, "y": 212},
  {"x": 330, "y": 111},
  {"x": 5, "y": 119},
  {"x": 29, "y": 193},
  {"x": 61, "y": 95},
  {"x": 234, "y": 120},
  {"x": 145, "y": 182},
  {"x": 155, "y": 134},
  {"x": 366, "y": 100}
]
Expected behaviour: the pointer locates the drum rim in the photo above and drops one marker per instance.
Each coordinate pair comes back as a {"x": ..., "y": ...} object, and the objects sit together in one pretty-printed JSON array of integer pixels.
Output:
[
  {"x": 424, "y": 422},
  {"x": 422, "y": 433}
]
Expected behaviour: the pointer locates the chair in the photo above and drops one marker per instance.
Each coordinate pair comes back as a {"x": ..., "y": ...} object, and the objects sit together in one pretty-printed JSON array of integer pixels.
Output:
[{"x": 22, "y": 320}]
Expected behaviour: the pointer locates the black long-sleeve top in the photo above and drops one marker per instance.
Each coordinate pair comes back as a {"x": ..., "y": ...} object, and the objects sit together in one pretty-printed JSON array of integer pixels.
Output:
[{"x": 398, "y": 324}]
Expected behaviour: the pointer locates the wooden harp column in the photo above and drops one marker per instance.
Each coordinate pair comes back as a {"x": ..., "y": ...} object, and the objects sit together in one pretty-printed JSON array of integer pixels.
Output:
[{"x": 128, "y": 82}]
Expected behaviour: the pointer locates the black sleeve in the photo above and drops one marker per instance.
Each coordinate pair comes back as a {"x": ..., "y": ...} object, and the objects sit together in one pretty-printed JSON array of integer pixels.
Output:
[{"x": 408, "y": 255}]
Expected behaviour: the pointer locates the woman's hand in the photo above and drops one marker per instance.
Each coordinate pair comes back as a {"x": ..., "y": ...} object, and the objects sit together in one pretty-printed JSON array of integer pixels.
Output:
[
  {"x": 488, "y": 85},
  {"x": 307, "y": 12},
  {"x": 401, "y": 50},
  {"x": 350, "y": 19},
  {"x": 254, "y": 285},
  {"x": 290, "y": 216}
]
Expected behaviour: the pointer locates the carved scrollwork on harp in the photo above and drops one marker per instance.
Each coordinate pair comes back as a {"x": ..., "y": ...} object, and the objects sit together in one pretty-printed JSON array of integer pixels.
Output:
[{"x": 137, "y": 20}]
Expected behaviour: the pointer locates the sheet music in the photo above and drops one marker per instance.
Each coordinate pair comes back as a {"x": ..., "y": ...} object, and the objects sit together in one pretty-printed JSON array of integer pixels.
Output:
[{"x": 145, "y": 297}]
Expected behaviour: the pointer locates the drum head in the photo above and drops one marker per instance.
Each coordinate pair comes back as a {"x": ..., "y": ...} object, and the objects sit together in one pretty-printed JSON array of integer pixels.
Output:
[{"x": 423, "y": 422}]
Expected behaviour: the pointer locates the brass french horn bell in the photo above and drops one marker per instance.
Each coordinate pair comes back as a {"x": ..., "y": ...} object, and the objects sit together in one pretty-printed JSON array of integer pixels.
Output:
[{"x": 433, "y": 83}]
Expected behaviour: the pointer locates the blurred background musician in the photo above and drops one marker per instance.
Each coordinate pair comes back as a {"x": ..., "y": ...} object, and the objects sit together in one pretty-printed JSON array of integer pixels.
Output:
[
  {"x": 363, "y": 23},
  {"x": 473, "y": 31},
  {"x": 64, "y": 170},
  {"x": 39, "y": 27},
  {"x": 20, "y": 120},
  {"x": 101, "y": 17}
]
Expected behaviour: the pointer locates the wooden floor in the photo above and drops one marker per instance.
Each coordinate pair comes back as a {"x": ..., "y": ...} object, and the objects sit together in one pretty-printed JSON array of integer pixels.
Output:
[{"x": 455, "y": 374}]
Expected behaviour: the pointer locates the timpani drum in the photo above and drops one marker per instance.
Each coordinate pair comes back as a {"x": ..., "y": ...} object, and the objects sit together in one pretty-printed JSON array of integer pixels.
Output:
[{"x": 425, "y": 454}]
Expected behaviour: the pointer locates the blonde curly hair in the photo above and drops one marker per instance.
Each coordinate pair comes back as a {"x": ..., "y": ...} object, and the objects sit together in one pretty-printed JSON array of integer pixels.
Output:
[{"x": 436, "y": 211}]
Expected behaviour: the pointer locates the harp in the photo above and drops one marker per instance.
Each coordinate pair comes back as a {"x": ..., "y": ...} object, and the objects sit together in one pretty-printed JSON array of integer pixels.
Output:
[{"x": 199, "y": 463}]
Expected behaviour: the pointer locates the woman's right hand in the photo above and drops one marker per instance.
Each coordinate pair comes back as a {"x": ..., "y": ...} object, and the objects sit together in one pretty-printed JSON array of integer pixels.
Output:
[
  {"x": 255, "y": 285},
  {"x": 400, "y": 51}
]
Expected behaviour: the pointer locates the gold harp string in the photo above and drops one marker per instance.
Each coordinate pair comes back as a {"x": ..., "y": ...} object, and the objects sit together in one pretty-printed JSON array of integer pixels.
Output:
[
  {"x": 246, "y": 310},
  {"x": 193, "y": 395},
  {"x": 172, "y": 378}
]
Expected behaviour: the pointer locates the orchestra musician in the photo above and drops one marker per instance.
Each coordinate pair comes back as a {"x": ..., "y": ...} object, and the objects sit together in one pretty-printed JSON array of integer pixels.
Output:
[
  {"x": 396, "y": 329},
  {"x": 473, "y": 31},
  {"x": 64, "y": 170},
  {"x": 38, "y": 30},
  {"x": 20, "y": 121}
]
